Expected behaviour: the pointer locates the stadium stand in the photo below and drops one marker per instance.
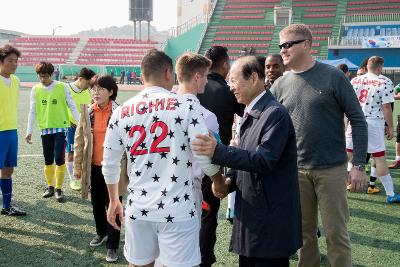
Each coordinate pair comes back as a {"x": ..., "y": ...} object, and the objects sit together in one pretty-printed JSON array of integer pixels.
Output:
[
  {"x": 44, "y": 48},
  {"x": 114, "y": 51},
  {"x": 94, "y": 51},
  {"x": 354, "y": 34}
]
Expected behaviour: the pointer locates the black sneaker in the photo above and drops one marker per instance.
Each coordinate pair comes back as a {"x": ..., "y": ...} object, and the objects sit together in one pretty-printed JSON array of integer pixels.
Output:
[
  {"x": 98, "y": 240},
  {"x": 13, "y": 211},
  {"x": 112, "y": 255},
  {"x": 59, "y": 195},
  {"x": 49, "y": 192}
]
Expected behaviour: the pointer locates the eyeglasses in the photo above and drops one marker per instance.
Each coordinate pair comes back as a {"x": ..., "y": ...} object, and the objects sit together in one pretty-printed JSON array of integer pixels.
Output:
[
  {"x": 97, "y": 89},
  {"x": 289, "y": 44}
]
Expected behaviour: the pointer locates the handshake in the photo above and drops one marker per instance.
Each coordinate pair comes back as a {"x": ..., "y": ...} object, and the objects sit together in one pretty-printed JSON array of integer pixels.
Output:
[{"x": 220, "y": 187}]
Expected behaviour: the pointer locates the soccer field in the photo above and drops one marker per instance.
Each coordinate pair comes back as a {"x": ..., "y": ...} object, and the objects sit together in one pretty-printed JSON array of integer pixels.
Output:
[{"x": 58, "y": 234}]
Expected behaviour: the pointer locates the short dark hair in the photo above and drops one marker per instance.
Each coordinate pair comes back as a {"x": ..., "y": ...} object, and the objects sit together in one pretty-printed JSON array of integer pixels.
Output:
[
  {"x": 154, "y": 63},
  {"x": 277, "y": 56},
  {"x": 107, "y": 82},
  {"x": 7, "y": 50},
  {"x": 343, "y": 67},
  {"x": 250, "y": 65},
  {"x": 218, "y": 55},
  {"x": 261, "y": 60},
  {"x": 44, "y": 67},
  {"x": 86, "y": 73}
]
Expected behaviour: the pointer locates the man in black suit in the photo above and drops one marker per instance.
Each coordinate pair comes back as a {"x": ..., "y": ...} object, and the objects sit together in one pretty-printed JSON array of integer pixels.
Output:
[
  {"x": 218, "y": 99},
  {"x": 267, "y": 222}
]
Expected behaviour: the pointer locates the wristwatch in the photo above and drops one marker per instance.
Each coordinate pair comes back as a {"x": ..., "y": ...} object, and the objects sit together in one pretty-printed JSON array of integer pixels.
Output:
[{"x": 360, "y": 167}]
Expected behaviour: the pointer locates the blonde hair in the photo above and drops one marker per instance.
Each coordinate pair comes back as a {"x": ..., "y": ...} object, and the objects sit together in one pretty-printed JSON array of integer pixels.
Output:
[
  {"x": 188, "y": 64},
  {"x": 298, "y": 30}
]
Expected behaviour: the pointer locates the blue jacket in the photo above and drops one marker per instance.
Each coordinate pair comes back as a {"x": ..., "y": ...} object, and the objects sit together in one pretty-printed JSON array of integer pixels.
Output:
[{"x": 267, "y": 221}]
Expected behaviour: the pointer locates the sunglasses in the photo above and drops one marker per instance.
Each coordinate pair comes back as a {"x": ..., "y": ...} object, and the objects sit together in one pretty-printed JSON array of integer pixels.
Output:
[{"x": 289, "y": 44}]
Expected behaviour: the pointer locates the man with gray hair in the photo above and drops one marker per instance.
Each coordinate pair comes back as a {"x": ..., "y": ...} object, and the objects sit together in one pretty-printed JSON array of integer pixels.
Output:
[{"x": 318, "y": 97}]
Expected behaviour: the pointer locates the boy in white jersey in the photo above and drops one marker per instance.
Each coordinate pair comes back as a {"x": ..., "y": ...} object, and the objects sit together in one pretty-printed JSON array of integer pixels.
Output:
[
  {"x": 375, "y": 98},
  {"x": 153, "y": 128},
  {"x": 192, "y": 70}
]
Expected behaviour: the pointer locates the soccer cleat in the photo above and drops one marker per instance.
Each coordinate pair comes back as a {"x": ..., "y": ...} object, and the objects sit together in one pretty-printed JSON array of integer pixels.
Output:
[
  {"x": 13, "y": 211},
  {"x": 229, "y": 215},
  {"x": 393, "y": 199},
  {"x": 112, "y": 255},
  {"x": 49, "y": 192},
  {"x": 59, "y": 195},
  {"x": 395, "y": 165},
  {"x": 348, "y": 187},
  {"x": 374, "y": 190},
  {"x": 97, "y": 240},
  {"x": 75, "y": 185}
]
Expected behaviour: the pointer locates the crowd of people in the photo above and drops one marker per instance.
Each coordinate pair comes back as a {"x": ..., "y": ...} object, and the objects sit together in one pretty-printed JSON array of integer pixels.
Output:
[{"x": 270, "y": 133}]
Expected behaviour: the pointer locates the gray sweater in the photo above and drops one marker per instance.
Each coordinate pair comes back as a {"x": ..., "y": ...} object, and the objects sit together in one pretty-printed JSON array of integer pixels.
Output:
[{"x": 317, "y": 101}]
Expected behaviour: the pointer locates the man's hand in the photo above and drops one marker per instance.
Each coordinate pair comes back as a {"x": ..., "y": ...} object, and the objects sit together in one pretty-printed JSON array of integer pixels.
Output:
[
  {"x": 204, "y": 145},
  {"x": 389, "y": 133},
  {"x": 28, "y": 138},
  {"x": 358, "y": 180},
  {"x": 221, "y": 189},
  {"x": 115, "y": 209},
  {"x": 234, "y": 143}
]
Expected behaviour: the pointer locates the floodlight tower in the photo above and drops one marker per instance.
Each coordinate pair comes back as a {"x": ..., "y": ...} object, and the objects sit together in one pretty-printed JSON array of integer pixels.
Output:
[{"x": 141, "y": 10}]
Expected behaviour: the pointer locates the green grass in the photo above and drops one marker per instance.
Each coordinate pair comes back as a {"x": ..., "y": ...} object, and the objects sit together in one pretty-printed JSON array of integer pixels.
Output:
[{"x": 56, "y": 234}]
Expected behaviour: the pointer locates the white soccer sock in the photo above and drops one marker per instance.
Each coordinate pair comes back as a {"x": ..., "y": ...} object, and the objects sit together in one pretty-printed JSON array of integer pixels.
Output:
[
  {"x": 70, "y": 169},
  {"x": 231, "y": 200},
  {"x": 387, "y": 184},
  {"x": 397, "y": 158},
  {"x": 349, "y": 166},
  {"x": 373, "y": 172}
]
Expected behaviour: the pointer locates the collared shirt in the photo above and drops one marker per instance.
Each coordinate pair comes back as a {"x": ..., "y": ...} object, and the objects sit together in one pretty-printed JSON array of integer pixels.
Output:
[
  {"x": 253, "y": 102},
  {"x": 247, "y": 109}
]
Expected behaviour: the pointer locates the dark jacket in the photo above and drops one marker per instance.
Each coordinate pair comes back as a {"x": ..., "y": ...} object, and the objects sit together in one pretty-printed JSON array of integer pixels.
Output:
[
  {"x": 267, "y": 221},
  {"x": 218, "y": 99}
]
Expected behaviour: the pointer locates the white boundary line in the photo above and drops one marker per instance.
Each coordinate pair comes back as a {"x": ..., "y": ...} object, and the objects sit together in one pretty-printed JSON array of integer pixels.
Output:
[{"x": 30, "y": 155}]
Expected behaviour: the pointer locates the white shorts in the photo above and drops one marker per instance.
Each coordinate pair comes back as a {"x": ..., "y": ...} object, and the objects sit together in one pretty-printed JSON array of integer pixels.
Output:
[
  {"x": 177, "y": 244},
  {"x": 376, "y": 138}
]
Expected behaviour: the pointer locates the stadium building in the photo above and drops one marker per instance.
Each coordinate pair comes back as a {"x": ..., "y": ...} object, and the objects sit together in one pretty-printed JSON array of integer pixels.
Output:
[{"x": 352, "y": 29}]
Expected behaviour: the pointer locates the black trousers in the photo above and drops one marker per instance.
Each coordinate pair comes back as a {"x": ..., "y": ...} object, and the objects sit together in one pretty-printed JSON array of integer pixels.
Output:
[
  {"x": 209, "y": 223},
  {"x": 263, "y": 262},
  {"x": 100, "y": 201},
  {"x": 54, "y": 148}
]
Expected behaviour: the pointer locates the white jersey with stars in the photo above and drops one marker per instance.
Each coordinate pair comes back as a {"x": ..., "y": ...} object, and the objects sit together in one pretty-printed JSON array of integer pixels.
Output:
[
  {"x": 154, "y": 129},
  {"x": 372, "y": 92}
]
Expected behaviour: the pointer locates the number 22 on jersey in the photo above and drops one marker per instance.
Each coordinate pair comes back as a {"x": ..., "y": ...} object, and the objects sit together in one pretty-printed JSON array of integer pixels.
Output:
[{"x": 154, "y": 148}]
